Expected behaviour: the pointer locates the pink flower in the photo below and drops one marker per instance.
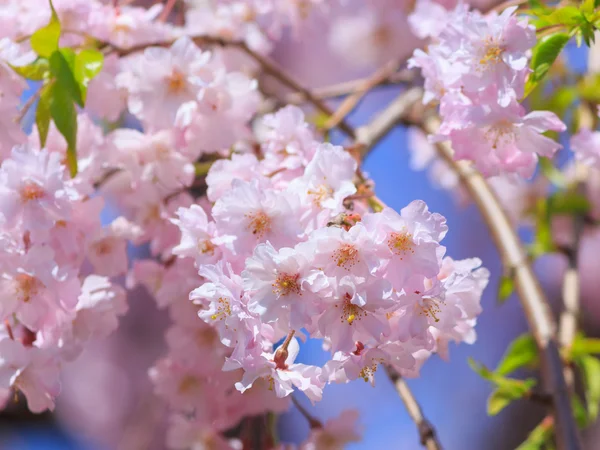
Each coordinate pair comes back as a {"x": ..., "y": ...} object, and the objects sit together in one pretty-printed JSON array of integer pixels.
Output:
[
  {"x": 499, "y": 139},
  {"x": 283, "y": 379},
  {"x": 356, "y": 311},
  {"x": 255, "y": 214},
  {"x": 409, "y": 241},
  {"x": 161, "y": 80},
  {"x": 184, "y": 433},
  {"x": 223, "y": 171},
  {"x": 282, "y": 285},
  {"x": 32, "y": 189},
  {"x": 199, "y": 237}
]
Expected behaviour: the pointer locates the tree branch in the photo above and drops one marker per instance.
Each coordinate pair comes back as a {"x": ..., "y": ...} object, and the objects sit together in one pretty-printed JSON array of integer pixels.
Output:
[
  {"x": 534, "y": 303},
  {"x": 369, "y": 135},
  {"x": 427, "y": 433},
  {"x": 570, "y": 289}
]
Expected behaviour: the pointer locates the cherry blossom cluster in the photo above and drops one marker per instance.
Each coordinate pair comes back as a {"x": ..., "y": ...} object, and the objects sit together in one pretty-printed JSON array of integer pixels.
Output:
[
  {"x": 476, "y": 68},
  {"x": 279, "y": 241}
]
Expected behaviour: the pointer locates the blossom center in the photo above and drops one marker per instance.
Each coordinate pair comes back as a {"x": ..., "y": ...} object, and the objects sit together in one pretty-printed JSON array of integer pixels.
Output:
[
  {"x": 176, "y": 82},
  {"x": 431, "y": 307},
  {"x": 401, "y": 243},
  {"x": 500, "y": 134},
  {"x": 492, "y": 52},
  {"x": 103, "y": 247},
  {"x": 346, "y": 256},
  {"x": 206, "y": 246},
  {"x": 368, "y": 372},
  {"x": 350, "y": 311},
  {"x": 32, "y": 191},
  {"x": 286, "y": 284},
  {"x": 259, "y": 223},
  {"x": 223, "y": 309},
  {"x": 320, "y": 194},
  {"x": 27, "y": 286}
]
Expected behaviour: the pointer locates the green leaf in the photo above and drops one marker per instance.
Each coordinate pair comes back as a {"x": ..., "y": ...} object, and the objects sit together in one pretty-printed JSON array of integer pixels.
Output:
[
  {"x": 42, "y": 115},
  {"x": 539, "y": 437},
  {"x": 554, "y": 175},
  {"x": 506, "y": 287},
  {"x": 521, "y": 352},
  {"x": 544, "y": 55},
  {"x": 568, "y": 203},
  {"x": 587, "y": 6},
  {"x": 585, "y": 346},
  {"x": 64, "y": 114},
  {"x": 568, "y": 15},
  {"x": 45, "y": 40},
  {"x": 88, "y": 64},
  {"x": 507, "y": 393},
  {"x": 62, "y": 64},
  {"x": 590, "y": 370},
  {"x": 37, "y": 70},
  {"x": 507, "y": 389}
]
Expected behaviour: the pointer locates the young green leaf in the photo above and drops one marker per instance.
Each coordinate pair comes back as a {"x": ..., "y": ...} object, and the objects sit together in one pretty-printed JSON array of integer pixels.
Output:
[
  {"x": 64, "y": 114},
  {"x": 507, "y": 393},
  {"x": 36, "y": 71},
  {"x": 62, "y": 63},
  {"x": 555, "y": 176},
  {"x": 45, "y": 40},
  {"x": 590, "y": 370},
  {"x": 585, "y": 346},
  {"x": 544, "y": 55},
  {"x": 567, "y": 15},
  {"x": 506, "y": 287},
  {"x": 539, "y": 437},
  {"x": 521, "y": 352},
  {"x": 88, "y": 64}
]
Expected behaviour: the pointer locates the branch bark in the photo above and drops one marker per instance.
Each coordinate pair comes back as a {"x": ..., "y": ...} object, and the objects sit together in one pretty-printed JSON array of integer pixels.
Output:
[
  {"x": 427, "y": 433},
  {"x": 532, "y": 298}
]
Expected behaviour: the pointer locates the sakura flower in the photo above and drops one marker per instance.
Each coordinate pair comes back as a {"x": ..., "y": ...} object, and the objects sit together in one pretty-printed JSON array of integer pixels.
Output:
[
  {"x": 362, "y": 363},
  {"x": 199, "y": 237},
  {"x": 32, "y": 189},
  {"x": 161, "y": 80},
  {"x": 327, "y": 181},
  {"x": 223, "y": 171},
  {"x": 339, "y": 252},
  {"x": 284, "y": 377},
  {"x": 356, "y": 311},
  {"x": 282, "y": 285},
  {"x": 223, "y": 302},
  {"x": 254, "y": 214},
  {"x": 500, "y": 139},
  {"x": 409, "y": 241}
]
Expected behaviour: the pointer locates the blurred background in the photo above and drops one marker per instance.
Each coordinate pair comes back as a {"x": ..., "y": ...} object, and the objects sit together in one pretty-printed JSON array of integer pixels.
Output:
[{"x": 112, "y": 375}]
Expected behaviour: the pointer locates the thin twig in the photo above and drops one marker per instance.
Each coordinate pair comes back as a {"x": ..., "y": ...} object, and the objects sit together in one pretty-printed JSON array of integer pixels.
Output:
[
  {"x": 361, "y": 90},
  {"x": 266, "y": 64},
  {"x": 313, "y": 422},
  {"x": 164, "y": 14},
  {"x": 427, "y": 433},
  {"x": 350, "y": 87},
  {"x": 27, "y": 105}
]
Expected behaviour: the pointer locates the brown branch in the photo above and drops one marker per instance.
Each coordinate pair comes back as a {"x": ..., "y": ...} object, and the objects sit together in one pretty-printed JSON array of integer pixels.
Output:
[
  {"x": 27, "y": 105},
  {"x": 362, "y": 89},
  {"x": 571, "y": 289},
  {"x": 369, "y": 135},
  {"x": 427, "y": 433},
  {"x": 350, "y": 87},
  {"x": 532, "y": 298}
]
